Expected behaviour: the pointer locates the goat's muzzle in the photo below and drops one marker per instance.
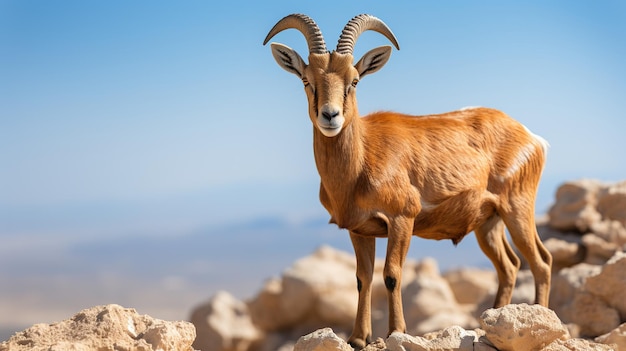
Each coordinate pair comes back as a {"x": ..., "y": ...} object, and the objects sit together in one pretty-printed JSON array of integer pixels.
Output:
[{"x": 330, "y": 120}]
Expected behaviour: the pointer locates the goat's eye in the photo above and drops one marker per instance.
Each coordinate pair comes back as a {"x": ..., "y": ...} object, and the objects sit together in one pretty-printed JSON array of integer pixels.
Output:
[
  {"x": 355, "y": 81},
  {"x": 305, "y": 81}
]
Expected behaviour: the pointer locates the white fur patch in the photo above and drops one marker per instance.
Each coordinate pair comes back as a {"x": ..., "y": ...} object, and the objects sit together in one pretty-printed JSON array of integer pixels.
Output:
[
  {"x": 525, "y": 153},
  {"x": 543, "y": 142},
  {"x": 469, "y": 108}
]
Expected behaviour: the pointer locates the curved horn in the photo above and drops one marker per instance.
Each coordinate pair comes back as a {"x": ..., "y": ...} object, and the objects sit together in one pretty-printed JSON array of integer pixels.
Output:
[
  {"x": 306, "y": 26},
  {"x": 358, "y": 25}
]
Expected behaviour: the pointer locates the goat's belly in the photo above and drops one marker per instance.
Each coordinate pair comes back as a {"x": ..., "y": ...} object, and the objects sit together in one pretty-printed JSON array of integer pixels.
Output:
[
  {"x": 452, "y": 219},
  {"x": 452, "y": 223},
  {"x": 442, "y": 234},
  {"x": 378, "y": 228},
  {"x": 372, "y": 227}
]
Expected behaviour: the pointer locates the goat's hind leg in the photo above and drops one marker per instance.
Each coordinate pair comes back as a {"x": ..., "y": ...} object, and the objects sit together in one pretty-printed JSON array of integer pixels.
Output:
[
  {"x": 365, "y": 251},
  {"x": 492, "y": 241},
  {"x": 523, "y": 230}
]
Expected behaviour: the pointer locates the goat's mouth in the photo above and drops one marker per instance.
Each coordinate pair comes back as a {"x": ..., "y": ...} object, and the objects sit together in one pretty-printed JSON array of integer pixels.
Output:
[
  {"x": 330, "y": 130},
  {"x": 330, "y": 127}
]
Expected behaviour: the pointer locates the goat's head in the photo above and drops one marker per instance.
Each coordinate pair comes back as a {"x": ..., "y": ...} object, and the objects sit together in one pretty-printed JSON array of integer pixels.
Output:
[{"x": 330, "y": 78}]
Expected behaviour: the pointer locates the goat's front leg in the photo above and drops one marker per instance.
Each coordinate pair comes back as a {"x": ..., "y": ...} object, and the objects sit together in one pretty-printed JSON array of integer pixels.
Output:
[
  {"x": 365, "y": 250},
  {"x": 399, "y": 238}
]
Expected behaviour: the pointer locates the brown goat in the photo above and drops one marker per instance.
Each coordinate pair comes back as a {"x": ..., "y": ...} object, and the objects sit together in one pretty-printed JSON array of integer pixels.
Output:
[{"x": 393, "y": 175}]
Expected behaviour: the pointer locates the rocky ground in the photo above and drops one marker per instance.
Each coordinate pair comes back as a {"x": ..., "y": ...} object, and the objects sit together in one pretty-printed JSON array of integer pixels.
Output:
[
  {"x": 105, "y": 328},
  {"x": 311, "y": 306}
]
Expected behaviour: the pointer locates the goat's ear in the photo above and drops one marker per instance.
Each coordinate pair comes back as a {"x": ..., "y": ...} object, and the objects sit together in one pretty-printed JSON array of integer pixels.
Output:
[
  {"x": 373, "y": 60},
  {"x": 288, "y": 59}
]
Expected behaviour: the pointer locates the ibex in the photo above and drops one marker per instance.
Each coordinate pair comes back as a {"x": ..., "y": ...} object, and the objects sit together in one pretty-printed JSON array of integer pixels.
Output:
[{"x": 393, "y": 175}]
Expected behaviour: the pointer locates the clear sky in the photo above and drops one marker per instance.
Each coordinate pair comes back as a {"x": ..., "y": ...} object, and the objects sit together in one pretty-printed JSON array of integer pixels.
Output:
[{"x": 142, "y": 117}]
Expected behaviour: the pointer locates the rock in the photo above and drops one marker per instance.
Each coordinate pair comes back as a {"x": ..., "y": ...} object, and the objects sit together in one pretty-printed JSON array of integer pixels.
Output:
[
  {"x": 320, "y": 291},
  {"x": 443, "y": 320},
  {"x": 224, "y": 324},
  {"x": 593, "y": 316},
  {"x": 430, "y": 305},
  {"x": 612, "y": 202},
  {"x": 598, "y": 250},
  {"x": 455, "y": 338},
  {"x": 452, "y": 338},
  {"x": 611, "y": 231},
  {"x": 316, "y": 291},
  {"x": 322, "y": 340},
  {"x": 588, "y": 206},
  {"x": 565, "y": 284},
  {"x": 458, "y": 339},
  {"x": 577, "y": 345},
  {"x": 378, "y": 345},
  {"x": 610, "y": 283},
  {"x": 471, "y": 285},
  {"x": 584, "y": 294},
  {"x": 575, "y": 206},
  {"x": 427, "y": 267},
  {"x": 266, "y": 308},
  {"x": 277, "y": 341},
  {"x": 522, "y": 327},
  {"x": 405, "y": 342},
  {"x": 484, "y": 347},
  {"x": 612, "y": 208},
  {"x": 524, "y": 292},
  {"x": 105, "y": 328},
  {"x": 615, "y": 337}
]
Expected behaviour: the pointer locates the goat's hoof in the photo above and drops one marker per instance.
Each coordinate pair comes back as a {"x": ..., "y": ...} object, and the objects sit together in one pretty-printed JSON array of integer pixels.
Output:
[{"x": 357, "y": 343}]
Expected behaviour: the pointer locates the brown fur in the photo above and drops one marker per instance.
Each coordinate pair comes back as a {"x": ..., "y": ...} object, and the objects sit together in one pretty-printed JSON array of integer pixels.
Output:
[{"x": 436, "y": 177}]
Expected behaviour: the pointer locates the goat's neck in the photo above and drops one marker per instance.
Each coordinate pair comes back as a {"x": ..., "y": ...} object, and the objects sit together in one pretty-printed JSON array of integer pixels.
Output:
[{"x": 340, "y": 159}]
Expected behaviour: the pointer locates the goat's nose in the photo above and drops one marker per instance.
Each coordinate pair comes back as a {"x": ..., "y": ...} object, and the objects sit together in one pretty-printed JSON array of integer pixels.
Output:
[{"x": 329, "y": 114}]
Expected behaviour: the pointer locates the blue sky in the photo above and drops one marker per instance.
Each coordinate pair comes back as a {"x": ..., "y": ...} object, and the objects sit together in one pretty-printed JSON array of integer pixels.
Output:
[{"x": 154, "y": 117}]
